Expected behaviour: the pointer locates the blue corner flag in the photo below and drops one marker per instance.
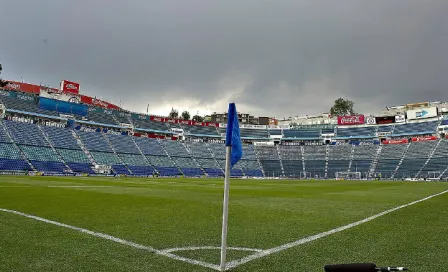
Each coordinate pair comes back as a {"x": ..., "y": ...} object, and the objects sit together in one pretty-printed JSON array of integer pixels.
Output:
[{"x": 233, "y": 138}]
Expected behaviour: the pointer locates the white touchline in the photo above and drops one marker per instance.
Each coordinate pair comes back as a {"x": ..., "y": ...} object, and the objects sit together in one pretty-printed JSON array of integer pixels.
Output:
[
  {"x": 305, "y": 240},
  {"x": 115, "y": 239}
]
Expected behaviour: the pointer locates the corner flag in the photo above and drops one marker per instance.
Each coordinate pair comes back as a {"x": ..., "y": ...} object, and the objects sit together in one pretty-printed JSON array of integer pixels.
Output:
[
  {"x": 234, "y": 153},
  {"x": 233, "y": 135}
]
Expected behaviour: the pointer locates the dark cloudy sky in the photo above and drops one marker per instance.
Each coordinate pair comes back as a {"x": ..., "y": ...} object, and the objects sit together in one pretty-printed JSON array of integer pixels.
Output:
[{"x": 272, "y": 57}]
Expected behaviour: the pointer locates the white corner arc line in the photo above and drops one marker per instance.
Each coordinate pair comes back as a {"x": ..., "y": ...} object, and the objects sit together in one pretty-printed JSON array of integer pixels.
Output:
[
  {"x": 308, "y": 239},
  {"x": 117, "y": 240},
  {"x": 169, "y": 250}
]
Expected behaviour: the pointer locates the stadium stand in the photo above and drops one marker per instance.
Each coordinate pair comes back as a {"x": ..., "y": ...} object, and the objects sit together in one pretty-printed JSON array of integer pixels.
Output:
[
  {"x": 389, "y": 159},
  {"x": 301, "y": 134},
  {"x": 26, "y": 146},
  {"x": 338, "y": 159},
  {"x": 200, "y": 130},
  {"x": 151, "y": 125},
  {"x": 315, "y": 160},
  {"x": 291, "y": 160},
  {"x": 438, "y": 162},
  {"x": 24, "y": 103},
  {"x": 101, "y": 118},
  {"x": 415, "y": 129},
  {"x": 358, "y": 132},
  {"x": 269, "y": 159},
  {"x": 414, "y": 159},
  {"x": 363, "y": 156}
]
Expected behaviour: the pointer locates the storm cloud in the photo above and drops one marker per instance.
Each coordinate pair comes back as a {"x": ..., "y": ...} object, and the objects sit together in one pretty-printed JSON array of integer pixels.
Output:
[{"x": 272, "y": 57}]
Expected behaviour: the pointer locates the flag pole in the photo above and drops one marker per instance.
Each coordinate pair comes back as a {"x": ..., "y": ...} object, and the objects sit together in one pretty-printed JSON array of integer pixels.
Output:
[{"x": 225, "y": 209}]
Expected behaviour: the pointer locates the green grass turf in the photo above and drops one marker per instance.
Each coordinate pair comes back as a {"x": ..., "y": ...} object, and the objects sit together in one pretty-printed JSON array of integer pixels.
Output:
[{"x": 169, "y": 213}]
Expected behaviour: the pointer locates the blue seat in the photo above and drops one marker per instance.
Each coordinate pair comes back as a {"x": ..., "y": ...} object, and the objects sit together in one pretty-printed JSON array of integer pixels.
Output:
[{"x": 14, "y": 165}]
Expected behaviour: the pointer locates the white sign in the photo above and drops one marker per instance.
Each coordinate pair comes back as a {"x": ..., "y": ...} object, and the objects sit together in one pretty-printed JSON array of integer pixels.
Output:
[
  {"x": 400, "y": 118},
  {"x": 422, "y": 113},
  {"x": 60, "y": 96},
  {"x": 370, "y": 121}
]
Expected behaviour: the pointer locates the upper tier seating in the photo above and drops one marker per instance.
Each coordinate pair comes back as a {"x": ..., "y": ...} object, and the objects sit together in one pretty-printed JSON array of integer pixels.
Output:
[
  {"x": 25, "y": 103},
  {"x": 385, "y": 128},
  {"x": 148, "y": 124},
  {"x": 356, "y": 132},
  {"x": 123, "y": 143},
  {"x": 415, "y": 128},
  {"x": 61, "y": 137},
  {"x": 302, "y": 133},
  {"x": 275, "y": 132},
  {"x": 200, "y": 130},
  {"x": 122, "y": 117},
  {"x": 94, "y": 141},
  {"x": 101, "y": 118},
  {"x": 27, "y": 134}
]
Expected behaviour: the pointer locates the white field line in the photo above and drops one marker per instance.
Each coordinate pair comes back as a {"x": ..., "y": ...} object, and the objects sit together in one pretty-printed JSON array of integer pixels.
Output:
[
  {"x": 305, "y": 240},
  {"x": 169, "y": 250},
  {"x": 115, "y": 239}
]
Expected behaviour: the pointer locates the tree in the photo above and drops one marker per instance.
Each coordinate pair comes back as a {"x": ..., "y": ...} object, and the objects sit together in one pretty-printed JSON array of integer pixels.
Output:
[
  {"x": 174, "y": 114},
  {"x": 185, "y": 115},
  {"x": 2, "y": 82},
  {"x": 198, "y": 118},
  {"x": 342, "y": 107}
]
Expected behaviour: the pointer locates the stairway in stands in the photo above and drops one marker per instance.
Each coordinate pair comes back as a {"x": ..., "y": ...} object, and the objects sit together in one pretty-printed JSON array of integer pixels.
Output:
[
  {"x": 401, "y": 160},
  {"x": 144, "y": 157},
  {"x": 280, "y": 159},
  {"x": 116, "y": 153},
  {"x": 54, "y": 149},
  {"x": 429, "y": 157},
  {"x": 168, "y": 155},
  {"x": 85, "y": 150},
  {"x": 375, "y": 160}
]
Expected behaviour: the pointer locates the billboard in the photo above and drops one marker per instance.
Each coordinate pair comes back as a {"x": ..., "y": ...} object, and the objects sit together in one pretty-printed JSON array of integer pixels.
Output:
[
  {"x": 423, "y": 139},
  {"x": 350, "y": 120},
  {"x": 422, "y": 113},
  {"x": 98, "y": 103},
  {"x": 385, "y": 120},
  {"x": 399, "y": 141},
  {"x": 62, "y": 106},
  {"x": 400, "y": 118},
  {"x": 183, "y": 122},
  {"x": 22, "y": 87},
  {"x": 67, "y": 97},
  {"x": 69, "y": 87}
]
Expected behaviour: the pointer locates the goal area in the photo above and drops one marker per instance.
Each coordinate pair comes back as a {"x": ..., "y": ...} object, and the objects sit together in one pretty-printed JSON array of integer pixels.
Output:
[{"x": 348, "y": 175}]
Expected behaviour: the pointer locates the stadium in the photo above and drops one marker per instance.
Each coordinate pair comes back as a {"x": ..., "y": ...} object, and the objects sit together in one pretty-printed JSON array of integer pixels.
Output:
[
  {"x": 51, "y": 131},
  {"x": 94, "y": 187}
]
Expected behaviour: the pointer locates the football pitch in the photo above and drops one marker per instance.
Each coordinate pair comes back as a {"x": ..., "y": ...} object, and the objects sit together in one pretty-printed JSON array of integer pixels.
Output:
[{"x": 161, "y": 224}]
